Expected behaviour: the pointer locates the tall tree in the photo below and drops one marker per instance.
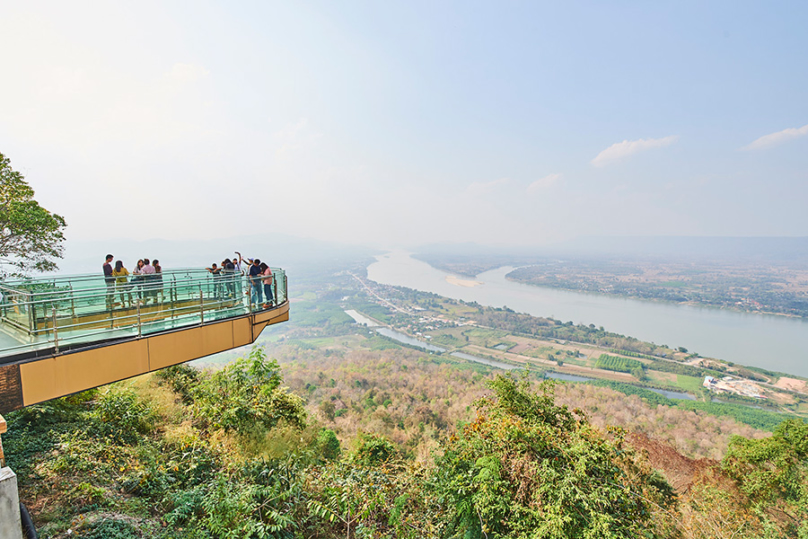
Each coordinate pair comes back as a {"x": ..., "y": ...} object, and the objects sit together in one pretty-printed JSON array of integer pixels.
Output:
[{"x": 31, "y": 237}]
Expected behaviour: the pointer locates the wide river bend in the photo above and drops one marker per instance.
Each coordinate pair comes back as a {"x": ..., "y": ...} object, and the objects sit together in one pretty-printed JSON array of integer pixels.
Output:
[{"x": 772, "y": 342}]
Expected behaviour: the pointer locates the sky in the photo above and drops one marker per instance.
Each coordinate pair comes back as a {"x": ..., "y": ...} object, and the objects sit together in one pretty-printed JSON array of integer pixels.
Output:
[{"x": 401, "y": 123}]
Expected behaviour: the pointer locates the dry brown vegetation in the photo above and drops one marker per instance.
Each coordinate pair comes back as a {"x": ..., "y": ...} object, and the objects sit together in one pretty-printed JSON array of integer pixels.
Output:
[
  {"x": 694, "y": 434},
  {"x": 414, "y": 401}
]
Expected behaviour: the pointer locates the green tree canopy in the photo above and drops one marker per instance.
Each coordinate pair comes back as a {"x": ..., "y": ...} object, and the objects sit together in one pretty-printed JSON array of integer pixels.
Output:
[
  {"x": 526, "y": 468},
  {"x": 773, "y": 474},
  {"x": 247, "y": 394},
  {"x": 31, "y": 237}
]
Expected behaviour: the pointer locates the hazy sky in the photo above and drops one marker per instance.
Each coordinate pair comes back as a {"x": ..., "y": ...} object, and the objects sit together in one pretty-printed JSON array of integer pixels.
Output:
[{"x": 409, "y": 122}]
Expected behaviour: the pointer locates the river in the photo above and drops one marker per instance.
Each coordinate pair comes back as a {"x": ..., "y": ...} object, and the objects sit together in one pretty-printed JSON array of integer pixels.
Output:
[{"x": 772, "y": 342}]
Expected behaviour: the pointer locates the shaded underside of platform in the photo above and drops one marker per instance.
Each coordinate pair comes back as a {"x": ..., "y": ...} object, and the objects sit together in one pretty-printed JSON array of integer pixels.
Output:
[{"x": 30, "y": 379}]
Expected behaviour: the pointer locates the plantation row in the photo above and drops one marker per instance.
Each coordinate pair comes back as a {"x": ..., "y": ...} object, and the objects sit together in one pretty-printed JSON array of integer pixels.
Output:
[{"x": 618, "y": 364}]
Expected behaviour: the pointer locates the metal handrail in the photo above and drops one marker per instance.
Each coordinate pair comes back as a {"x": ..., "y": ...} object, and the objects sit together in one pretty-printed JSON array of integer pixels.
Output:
[
  {"x": 190, "y": 276},
  {"x": 77, "y": 277},
  {"x": 148, "y": 280},
  {"x": 191, "y": 309},
  {"x": 83, "y": 277},
  {"x": 85, "y": 293}
]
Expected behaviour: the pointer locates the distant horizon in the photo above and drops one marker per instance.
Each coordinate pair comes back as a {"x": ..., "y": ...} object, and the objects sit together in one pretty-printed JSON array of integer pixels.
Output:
[{"x": 596, "y": 244}]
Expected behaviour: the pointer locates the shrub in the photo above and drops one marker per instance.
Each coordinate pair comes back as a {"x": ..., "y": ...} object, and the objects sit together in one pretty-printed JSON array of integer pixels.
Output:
[
  {"x": 121, "y": 415},
  {"x": 247, "y": 394},
  {"x": 372, "y": 449},
  {"x": 328, "y": 444},
  {"x": 110, "y": 529},
  {"x": 773, "y": 474},
  {"x": 182, "y": 379}
]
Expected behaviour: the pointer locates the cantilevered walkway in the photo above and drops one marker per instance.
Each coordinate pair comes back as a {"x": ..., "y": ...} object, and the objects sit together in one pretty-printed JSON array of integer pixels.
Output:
[{"x": 62, "y": 335}]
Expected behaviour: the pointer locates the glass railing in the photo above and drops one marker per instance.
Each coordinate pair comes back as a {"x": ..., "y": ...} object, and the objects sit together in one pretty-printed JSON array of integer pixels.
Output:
[{"x": 58, "y": 312}]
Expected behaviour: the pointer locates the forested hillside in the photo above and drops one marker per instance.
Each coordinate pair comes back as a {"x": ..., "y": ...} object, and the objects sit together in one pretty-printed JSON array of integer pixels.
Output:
[{"x": 391, "y": 444}]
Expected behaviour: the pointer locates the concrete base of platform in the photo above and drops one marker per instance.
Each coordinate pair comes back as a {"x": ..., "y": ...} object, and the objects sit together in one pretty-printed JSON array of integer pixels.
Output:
[{"x": 10, "y": 527}]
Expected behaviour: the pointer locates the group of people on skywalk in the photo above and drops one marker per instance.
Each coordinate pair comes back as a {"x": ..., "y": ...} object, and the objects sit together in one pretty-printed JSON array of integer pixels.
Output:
[
  {"x": 259, "y": 276},
  {"x": 146, "y": 282}
]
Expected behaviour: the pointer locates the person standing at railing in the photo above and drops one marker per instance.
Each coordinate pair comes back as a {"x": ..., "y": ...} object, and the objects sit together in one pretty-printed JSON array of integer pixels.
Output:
[
  {"x": 122, "y": 285},
  {"x": 256, "y": 295},
  {"x": 147, "y": 276},
  {"x": 267, "y": 273},
  {"x": 216, "y": 271},
  {"x": 137, "y": 279},
  {"x": 244, "y": 266},
  {"x": 109, "y": 280},
  {"x": 229, "y": 272},
  {"x": 239, "y": 272},
  {"x": 158, "y": 280}
]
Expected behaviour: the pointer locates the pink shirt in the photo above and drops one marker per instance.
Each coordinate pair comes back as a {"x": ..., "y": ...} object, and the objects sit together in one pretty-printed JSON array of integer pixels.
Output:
[{"x": 268, "y": 272}]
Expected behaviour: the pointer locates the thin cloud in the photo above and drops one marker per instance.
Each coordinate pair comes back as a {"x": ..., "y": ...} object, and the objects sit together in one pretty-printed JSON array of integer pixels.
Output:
[
  {"x": 773, "y": 139},
  {"x": 187, "y": 73},
  {"x": 543, "y": 183},
  {"x": 484, "y": 188},
  {"x": 293, "y": 138},
  {"x": 621, "y": 150}
]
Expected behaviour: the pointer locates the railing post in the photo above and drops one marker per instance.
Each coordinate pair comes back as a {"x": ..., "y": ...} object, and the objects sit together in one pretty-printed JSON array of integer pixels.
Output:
[
  {"x": 109, "y": 302},
  {"x": 72, "y": 302},
  {"x": 55, "y": 332},
  {"x": 201, "y": 306},
  {"x": 31, "y": 315},
  {"x": 139, "y": 322},
  {"x": 250, "y": 293}
]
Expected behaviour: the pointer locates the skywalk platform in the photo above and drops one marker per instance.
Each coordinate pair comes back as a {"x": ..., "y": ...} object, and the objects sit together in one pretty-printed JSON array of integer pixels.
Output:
[{"x": 61, "y": 335}]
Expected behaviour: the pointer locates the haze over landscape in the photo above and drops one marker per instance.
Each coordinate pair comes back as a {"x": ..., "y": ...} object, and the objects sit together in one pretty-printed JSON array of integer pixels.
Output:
[{"x": 409, "y": 123}]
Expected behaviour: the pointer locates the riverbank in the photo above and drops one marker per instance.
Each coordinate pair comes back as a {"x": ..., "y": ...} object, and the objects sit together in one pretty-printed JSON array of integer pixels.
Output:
[
  {"x": 777, "y": 286},
  {"x": 774, "y": 343},
  {"x": 689, "y": 303}
]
